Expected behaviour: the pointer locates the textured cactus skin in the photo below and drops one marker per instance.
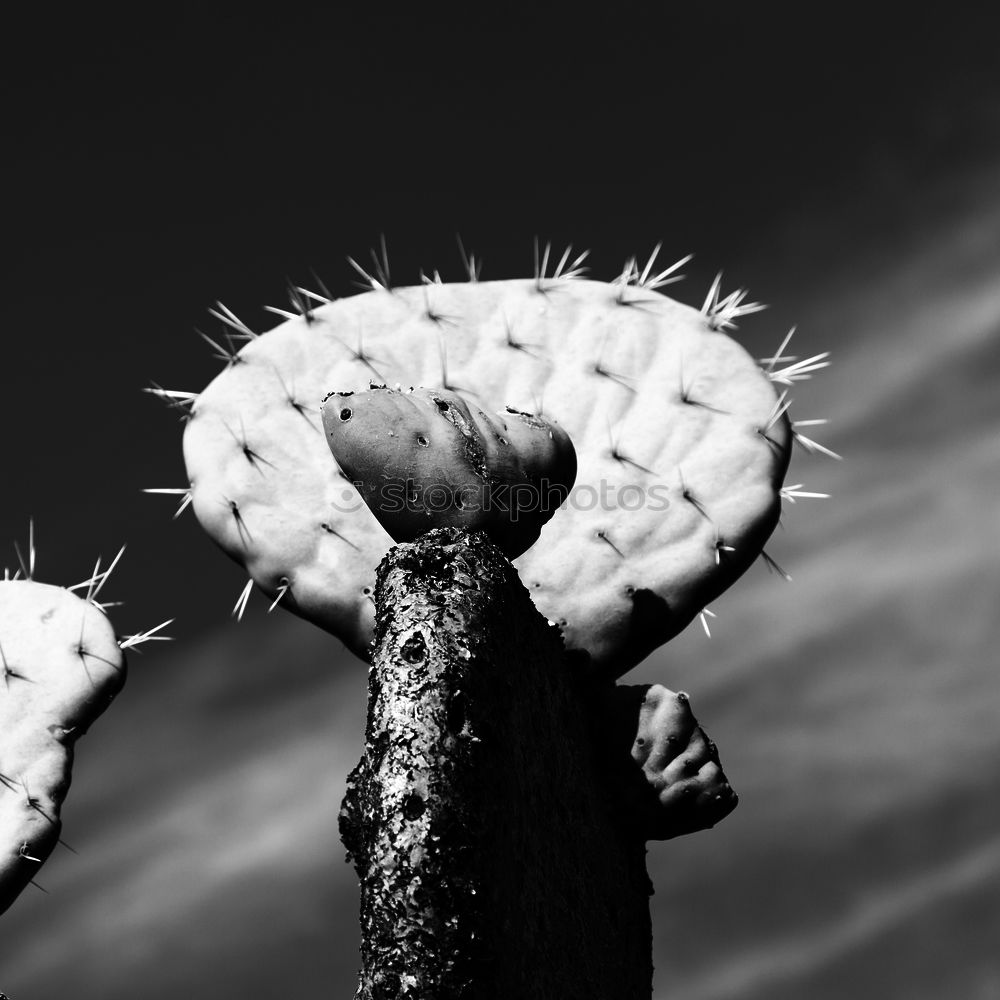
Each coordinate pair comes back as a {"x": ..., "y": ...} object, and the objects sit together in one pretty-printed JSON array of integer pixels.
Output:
[
  {"x": 425, "y": 459},
  {"x": 680, "y": 457},
  {"x": 681, "y": 764},
  {"x": 62, "y": 667}
]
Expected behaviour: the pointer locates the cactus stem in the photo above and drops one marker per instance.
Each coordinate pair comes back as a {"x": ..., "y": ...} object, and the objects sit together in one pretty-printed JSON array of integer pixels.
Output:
[
  {"x": 381, "y": 279},
  {"x": 227, "y": 316},
  {"x": 472, "y": 266},
  {"x": 241, "y": 602},
  {"x": 774, "y": 567}
]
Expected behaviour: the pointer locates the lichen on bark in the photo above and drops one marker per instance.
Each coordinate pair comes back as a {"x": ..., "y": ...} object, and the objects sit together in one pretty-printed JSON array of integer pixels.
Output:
[{"x": 486, "y": 828}]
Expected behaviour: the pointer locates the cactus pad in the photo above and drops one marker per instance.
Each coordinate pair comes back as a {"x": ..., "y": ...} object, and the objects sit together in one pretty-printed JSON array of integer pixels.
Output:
[
  {"x": 62, "y": 666},
  {"x": 682, "y": 766},
  {"x": 425, "y": 459},
  {"x": 682, "y": 443}
]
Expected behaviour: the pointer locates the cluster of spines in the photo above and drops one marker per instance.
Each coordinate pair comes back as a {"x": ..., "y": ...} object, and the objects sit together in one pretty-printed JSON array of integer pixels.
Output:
[
  {"x": 94, "y": 584},
  {"x": 720, "y": 312}
]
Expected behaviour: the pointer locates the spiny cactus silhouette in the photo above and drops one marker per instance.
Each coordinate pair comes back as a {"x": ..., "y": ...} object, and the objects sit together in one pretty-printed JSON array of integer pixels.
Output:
[
  {"x": 426, "y": 459},
  {"x": 682, "y": 441},
  {"x": 62, "y": 665}
]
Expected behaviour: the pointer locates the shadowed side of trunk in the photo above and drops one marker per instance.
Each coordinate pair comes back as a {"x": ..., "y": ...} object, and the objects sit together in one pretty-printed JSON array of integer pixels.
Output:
[{"x": 488, "y": 839}]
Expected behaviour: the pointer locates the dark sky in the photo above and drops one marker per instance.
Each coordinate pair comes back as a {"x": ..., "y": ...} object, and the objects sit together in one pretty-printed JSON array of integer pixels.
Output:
[
  {"x": 156, "y": 164},
  {"x": 840, "y": 160}
]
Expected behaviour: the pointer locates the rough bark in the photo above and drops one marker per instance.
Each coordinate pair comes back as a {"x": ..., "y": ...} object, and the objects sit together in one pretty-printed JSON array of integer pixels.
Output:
[{"x": 487, "y": 837}]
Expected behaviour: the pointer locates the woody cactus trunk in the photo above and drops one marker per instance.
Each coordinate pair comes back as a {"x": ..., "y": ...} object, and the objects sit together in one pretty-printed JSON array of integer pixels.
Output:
[{"x": 499, "y": 815}]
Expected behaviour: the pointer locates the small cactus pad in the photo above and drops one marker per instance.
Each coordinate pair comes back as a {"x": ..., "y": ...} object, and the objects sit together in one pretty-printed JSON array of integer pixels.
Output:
[
  {"x": 62, "y": 665},
  {"x": 426, "y": 459},
  {"x": 681, "y": 764},
  {"x": 681, "y": 440}
]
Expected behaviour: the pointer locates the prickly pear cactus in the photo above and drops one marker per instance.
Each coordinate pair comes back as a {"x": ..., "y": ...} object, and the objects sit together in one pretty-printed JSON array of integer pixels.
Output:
[
  {"x": 682, "y": 441},
  {"x": 682, "y": 765},
  {"x": 425, "y": 459},
  {"x": 61, "y": 666}
]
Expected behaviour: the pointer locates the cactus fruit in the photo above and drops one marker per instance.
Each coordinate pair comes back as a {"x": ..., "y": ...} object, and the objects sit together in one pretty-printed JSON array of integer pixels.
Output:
[
  {"x": 682, "y": 442},
  {"x": 425, "y": 459},
  {"x": 681, "y": 764},
  {"x": 62, "y": 665}
]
